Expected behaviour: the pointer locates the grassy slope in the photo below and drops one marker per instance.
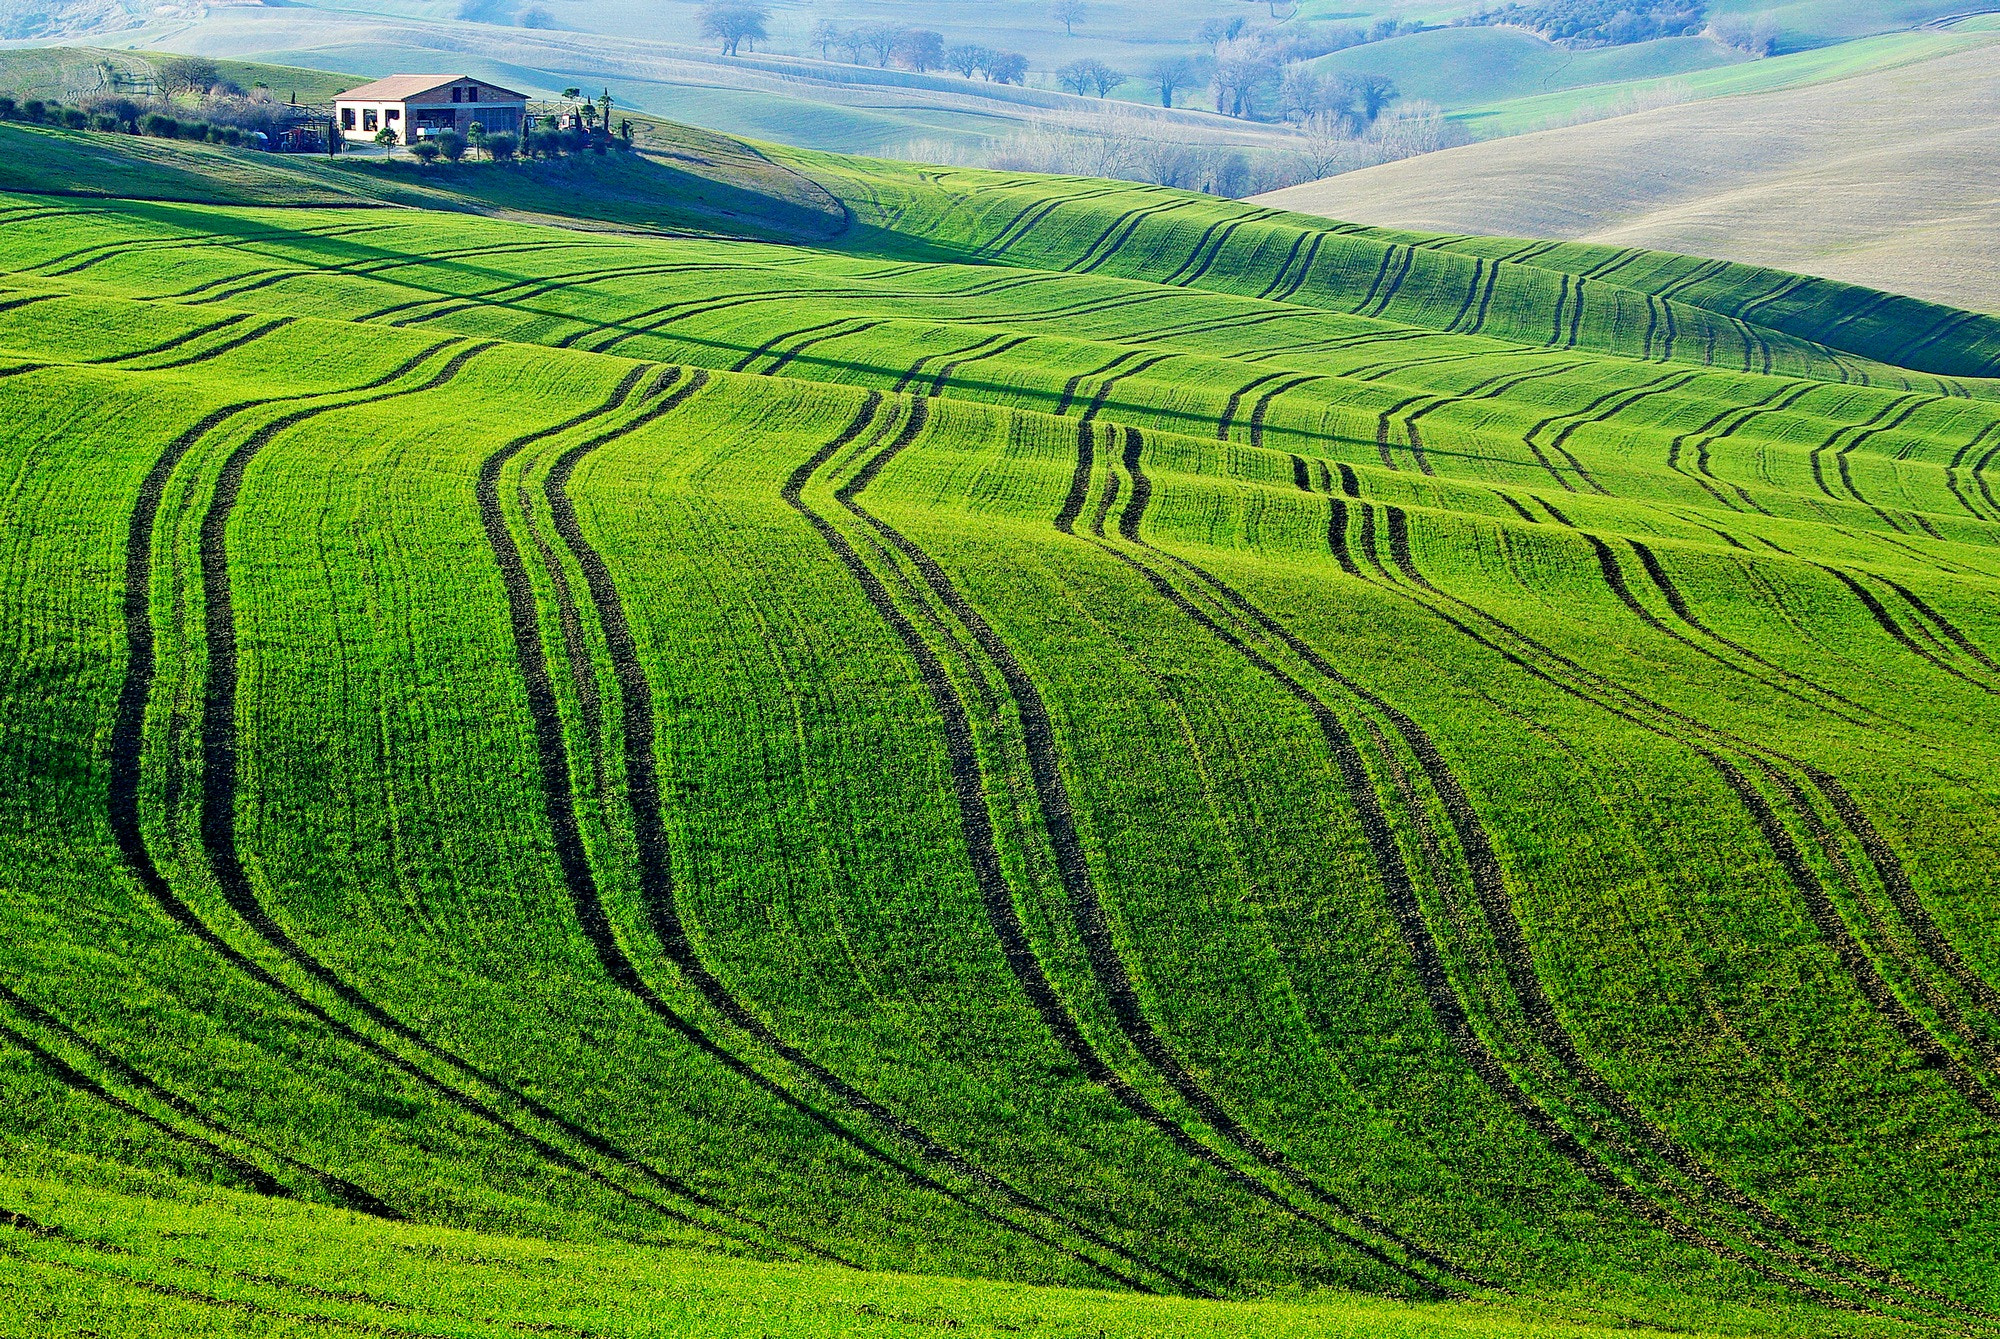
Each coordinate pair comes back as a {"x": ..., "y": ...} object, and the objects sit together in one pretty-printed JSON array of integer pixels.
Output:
[
  {"x": 1893, "y": 201},
  {"x": 1809, "y": 70},
  {"x": 70, "y": 72},
  {"x": 1589, "y": 715}
]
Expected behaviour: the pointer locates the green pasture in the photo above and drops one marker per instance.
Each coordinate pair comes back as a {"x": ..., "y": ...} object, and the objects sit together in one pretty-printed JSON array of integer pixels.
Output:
[{"x": 1058, "y": 758}]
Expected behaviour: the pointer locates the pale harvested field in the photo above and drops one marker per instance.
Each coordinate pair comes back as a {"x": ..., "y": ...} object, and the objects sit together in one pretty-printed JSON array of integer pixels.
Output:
[{"x": 1890, "y": 179}]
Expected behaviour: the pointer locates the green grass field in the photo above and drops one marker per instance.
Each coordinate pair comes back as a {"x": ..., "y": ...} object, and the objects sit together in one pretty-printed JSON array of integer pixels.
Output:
[{"x": 1062, "y": 758}]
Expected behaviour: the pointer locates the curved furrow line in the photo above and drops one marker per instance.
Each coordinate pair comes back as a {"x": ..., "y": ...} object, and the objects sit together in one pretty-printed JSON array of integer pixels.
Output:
[
  {"x": 1235, "y": 401},
  {"x": 249, "y": 1173},
  {"x": 409, "y": 313},
  {"x": 1108, "y": 245},
  {"x": 1097, "y": 401},
  {"x": 1221, "y": 241},
  {"x": 166, "y": 346},
  {"x": 1107, "y": 966},
  {"x": 1375, "y": 284},
  {"x": 343, "y": 1191},
  {"x": 1602, "y": 410},
  {"x": 1887, "y": 622},
  {"x": 1943, "y": 624},
  {"x": 791, "y": 355},
  {"x": 1285, "y": 266},
  {"x": 765, "y": 349},
  {"x": 950, "y": 369},
  {"x": 560, "y": 808},
  {"x": 1298, "y": 279},
  {"x": 1263, "y": 407},
  {"x": 1726, "y": 424},
  {"x": 657, "y": 884},
  {"x": 1867, "y": 977},
  {"x": 1496, "y": 904},
  {"x": 1394, "y": 284},
  {"x": 127, "y": 740},
  {"x": 917, "y": 368},
  {"x": 1035, "y": 211},
  {"x": 1422, "y": 406},
  {"x": 1440, "y": 991},
  {"x": 1471, "y": 295},
  {"x": 1199, "y": 244},
  {"x": 1070, "y": 386},
  {"x": 374, "y": 266},
  {"x": 99, "y": 252},
  {"x": 1881, "y": 422},
  {"x": 1656, "y": 572}
]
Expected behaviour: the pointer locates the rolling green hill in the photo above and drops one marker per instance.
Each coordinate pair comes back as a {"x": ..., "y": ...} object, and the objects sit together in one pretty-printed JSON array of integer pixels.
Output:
[{"x": 1062, "y": 758}]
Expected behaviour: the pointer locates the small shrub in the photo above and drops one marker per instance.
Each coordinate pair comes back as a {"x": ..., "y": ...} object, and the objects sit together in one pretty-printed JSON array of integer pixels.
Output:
[
  {"x": 452, "y": 145},
  {"x": 33, "y": 109},
  {"x": 425, "y": 151},
  {"x": 107, "y": 124},
  {"x": 232, "y": 136},
  {"x": 194, "y": 130},
  {"x": 75, "y": 119},
  {"x": 9, "y": 109},
  {"x": 162, "y": 127},
  {"x": 501, "y": 147}
]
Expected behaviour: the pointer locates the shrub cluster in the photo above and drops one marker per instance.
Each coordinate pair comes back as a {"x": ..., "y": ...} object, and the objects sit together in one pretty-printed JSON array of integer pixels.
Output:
[
  {"x": 220, "y": 120},
  {"x": 1601, "y": 22}
]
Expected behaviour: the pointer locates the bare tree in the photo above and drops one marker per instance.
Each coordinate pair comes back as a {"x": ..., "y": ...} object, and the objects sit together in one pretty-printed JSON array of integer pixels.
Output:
[
  {"x": 1006, "y": 67},
  {"x": 966, "y": 58},
  {"x": 187, "y": 74},
  {"x": 1068, "y": 13},
  {"x": 880, "y": 40},
  {"x": 1241, "y": 68},
  {"x": 734, "y": 22},
  {"x": 1170, "y": 74},
  {"x": 1080, "y": 75},
  {"x": 826, "y": 36},
  {"x": 921, "y": 49}
]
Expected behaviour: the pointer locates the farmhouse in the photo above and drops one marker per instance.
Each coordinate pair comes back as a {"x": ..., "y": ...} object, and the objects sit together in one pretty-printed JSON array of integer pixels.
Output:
[{"x": 417, "y": 106}]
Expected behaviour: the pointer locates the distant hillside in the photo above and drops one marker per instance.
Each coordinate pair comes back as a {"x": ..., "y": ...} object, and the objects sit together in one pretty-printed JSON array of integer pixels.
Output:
[{"x": 1883, "y": 179}]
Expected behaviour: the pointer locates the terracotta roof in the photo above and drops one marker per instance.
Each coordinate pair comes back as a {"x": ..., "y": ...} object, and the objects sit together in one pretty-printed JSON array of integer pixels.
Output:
[{"x": 400, "y": 87}]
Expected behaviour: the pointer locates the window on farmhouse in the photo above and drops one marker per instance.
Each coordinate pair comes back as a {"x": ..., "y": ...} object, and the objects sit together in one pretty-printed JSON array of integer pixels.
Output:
[
  {"x": 472, "y": 94},
  {"x": 368, "y": 119},
  {"x": 393, "y": 114},
  {"x": 347, "y": 118},
  {"x": 458, "y": 95}
]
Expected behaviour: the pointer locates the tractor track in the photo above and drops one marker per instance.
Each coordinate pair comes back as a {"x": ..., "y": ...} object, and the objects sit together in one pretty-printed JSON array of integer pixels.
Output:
[{"x": 657, "y": 884}]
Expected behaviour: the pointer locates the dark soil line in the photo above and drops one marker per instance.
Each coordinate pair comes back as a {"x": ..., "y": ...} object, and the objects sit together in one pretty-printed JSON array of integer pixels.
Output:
[
  {"x": 981, "y": 843},
  {"x": 1728, "y": 423},
  {"x": 1235, "y": 400},
  {"x": 1199, "y": 244},
  {"x": 1263, "y": 407},
  {"x": 1860, "y": 966},
  {"x": 218, "y": 834},
  {"x": 1104, "y": 387},
  {"x": 1518, "y": 965},
  {"x": 1881, "y": 422},
  {"x": 1222, "y": 241},
  {"x": 1897, "y": 881},
  {"x": 249, "y": 1173},
  {"x": 916, "y": 369},
  {"x": 765, "y": 349},
  {"x": 112, "y": 360},
  {"x": 657, "y": 888},
  {"x": 1285, "y": 267},
  {"x": 1943, "y": 624},
  {"x": 1887, "y": 622},
  {"x": 1471, "y": 295},
  {"x": 1375, "y": 285},
  {"x": 1035, "y": 211},
  {"x": 1485, "y": 869},
  {"x": 1298, "y": 280},
  {"x": 1656, "y": 572},
  {"x": 1087, "y": 909},
  {"x": 1107, "y": 246},
  {"x": 372, "y": 266},
  {"x": 344, "y": 1192},
  {"x": 1440, "y": 993},
  {"x": 785, "y": 359},
  {"x": 1070, "y": 386},
  {"x": 950, "y": 369}
]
